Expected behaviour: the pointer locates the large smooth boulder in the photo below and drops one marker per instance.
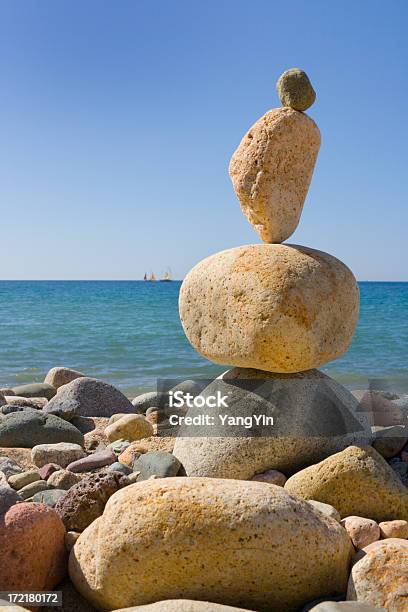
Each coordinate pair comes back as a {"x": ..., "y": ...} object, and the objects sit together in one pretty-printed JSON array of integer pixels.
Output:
[
  {"x": 29, "y": 428},
  {"x": 35, "y": 390},
  {"x": 89, "y": 397},
  {"x": 271, "y": 171},
  {"x": 59, "y": 376},
  {"x": 380, "y": 576},
  {"x": 356, "y": 481},
  {"x": 314, "y": 417},
  {"x": 274, "y": 307},
  {"x": 32, "y": 549},
  {"x": 230, "y": 542}
]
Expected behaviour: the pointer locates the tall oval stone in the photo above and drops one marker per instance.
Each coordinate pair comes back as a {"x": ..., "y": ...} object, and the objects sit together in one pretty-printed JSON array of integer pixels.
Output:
[
  {"x": 271, "y": 171},
  {"x": 278, "y": 308},
  {"x": 232, "y": 542}
]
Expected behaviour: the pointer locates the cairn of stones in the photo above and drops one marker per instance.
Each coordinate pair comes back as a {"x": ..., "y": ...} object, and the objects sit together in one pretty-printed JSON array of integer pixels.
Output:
[{"x": 273, "y": 310}]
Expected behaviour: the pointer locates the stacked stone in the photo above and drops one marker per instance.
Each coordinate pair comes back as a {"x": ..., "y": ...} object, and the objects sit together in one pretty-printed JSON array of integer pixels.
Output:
[{"x": 278, "y": 309}]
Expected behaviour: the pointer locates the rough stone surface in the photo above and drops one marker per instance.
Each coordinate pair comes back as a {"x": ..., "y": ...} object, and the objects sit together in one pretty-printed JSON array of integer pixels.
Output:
[
  {"x": 131, "y": 427},
  {"x": 49, "y": 497},
  {"x": 8, "y": 497},
  {"x": 356, "y": 481},
  {"x": 63, "y": 479},
  {"x": 18, "y": 481},
  {"x": 380, "y": 577},
  {"x": 92, "y": 398},
  {"x": 59, "y": 376},
  {"x": 271, "y": 477},
  {"x": 271, "y": 171},
  {"x": 34, "y": 487},
  {"x": 183, "y": 605},
  {"x": 326, "y": 509},
  {"x": 389, "y": 441},
  {"x": 362, "y": 531},
  {"x": 273, "y": 307},
  {"x": 323, "y": 420},
  {"x": 35, "y": 390},
  {"x": 92, "y": 462},
  {"x": 29, "y": 428},
  {"x": 85, "y": 501},
  {"x": 9, "y": 467},
  {"x": 8, "y": 409},
  {"x": 240, "y": 536},
  {"x": 37, "y": 403},
  {"x": 295, "y": 89},
  {"x": 157, "y": 463},
  {"x": 394, "y": 529},
  {"x": 31, "y": 559},
  {"x": 61, "y": 453}
]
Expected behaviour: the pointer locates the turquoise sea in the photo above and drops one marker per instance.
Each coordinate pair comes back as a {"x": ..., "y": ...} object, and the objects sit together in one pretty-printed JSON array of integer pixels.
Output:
[{"x": 128, "y": 333}]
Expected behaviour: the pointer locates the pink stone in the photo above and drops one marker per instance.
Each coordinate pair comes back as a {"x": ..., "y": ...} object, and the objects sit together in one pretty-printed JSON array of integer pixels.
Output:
[
  {"x": 362, "y": 531},
  {"x": 97, "y": 460},
  {"x": 48, "y": 469},
  {"x": 33, "y": 555},
  {"x": 271, "y": 477}
]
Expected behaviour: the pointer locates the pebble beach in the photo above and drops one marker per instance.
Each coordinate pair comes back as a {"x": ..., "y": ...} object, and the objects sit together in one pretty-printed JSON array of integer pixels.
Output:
[{"x": 143, "y": 517}]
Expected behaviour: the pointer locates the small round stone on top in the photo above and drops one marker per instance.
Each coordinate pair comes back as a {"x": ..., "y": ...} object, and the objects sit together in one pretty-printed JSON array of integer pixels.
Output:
[{"x": 295, "y": 89}]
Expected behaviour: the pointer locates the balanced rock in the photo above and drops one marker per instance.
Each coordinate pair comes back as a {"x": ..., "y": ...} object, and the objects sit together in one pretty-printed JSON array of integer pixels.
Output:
[
  {"x": 295, "y": 89},
  {"x": 29, "y": 428},
  {"x": 35, "y": 390},
  {"x": 380, "y": 576},
  {"x": 234, "y": 545},
  {"x": 356, "y": 481},
  {"x": 271, "y": 171},
  {"x": 32, "y": 548},
  {"x": 85, "y": 501},
  {"x": 59, "y": 376},
  {"x": 90, "y": 397},
  {"x": 62, "y": 454},
  {"x": 314, "y": 417},
  {"x": 131, "y": 427},
  {"x": 279, "y": 308}
]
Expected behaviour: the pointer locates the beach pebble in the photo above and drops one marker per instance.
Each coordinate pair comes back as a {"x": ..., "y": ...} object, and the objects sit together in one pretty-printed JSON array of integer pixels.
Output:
[
  {"x": 273, "y": 307},
  {"x": 46, "y": 470},
  {"x": 157, "y": 463},
  {"x": 8, "y": 497},
  {"x": 291, "y": 444},
  {"x": 35, "y": 390},
  {"x": 95, "y": 440},
  {"x": 362, "y": 531},
  {"x": 32, "y": 548},
  {"x": 63, "y": 479},
  {"x": 271, "y": 171},
  {"x": 394, "y": 529},
  {"x": 59, "y": 376},
  {"x": 61, "y": 454},
  {"x": 120, "y": 467},
  {"x": 92, "y": 462},
  {"x": 48, "y": 497},
  {"x": 295, "y": 89},
  {"x": 34, "y": 487},
  {"x": 244, "y": 534},
  {"x": 118, "y": 446},
  {"x": 325, "y": 509},
  {"x": 18, "y": 481},
  {"x": 388, "y": 441},
  {"x": 380, "y": 576},
  {"x": 131, "y": 427},
  {"x": 183, "y": 605},
  {"x": 356, "y": 481},
  {"x": 36, "y": 403},
  {"x": 9, "y": 467},
  {"x": 152, "y": 399},
  {"x": 92, "y": 398},
  {"x": 30, "y": 428},
  {"x": 129, "y": 455},
  {"x": 271, "y": 477},
  {"x": 70, "y": 539},
  {"x": 84, "y": 502}
]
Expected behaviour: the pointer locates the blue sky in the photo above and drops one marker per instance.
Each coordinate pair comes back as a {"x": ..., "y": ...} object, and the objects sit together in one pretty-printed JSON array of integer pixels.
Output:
[{"x": 118, "y": 120}]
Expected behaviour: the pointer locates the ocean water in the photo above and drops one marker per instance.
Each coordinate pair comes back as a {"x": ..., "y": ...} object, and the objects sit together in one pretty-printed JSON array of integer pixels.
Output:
[{"x": 128, "y": 333}]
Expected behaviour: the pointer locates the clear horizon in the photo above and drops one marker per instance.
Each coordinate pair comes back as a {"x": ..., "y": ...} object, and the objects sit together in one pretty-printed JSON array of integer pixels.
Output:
[{"x": 118, "y": 123}]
